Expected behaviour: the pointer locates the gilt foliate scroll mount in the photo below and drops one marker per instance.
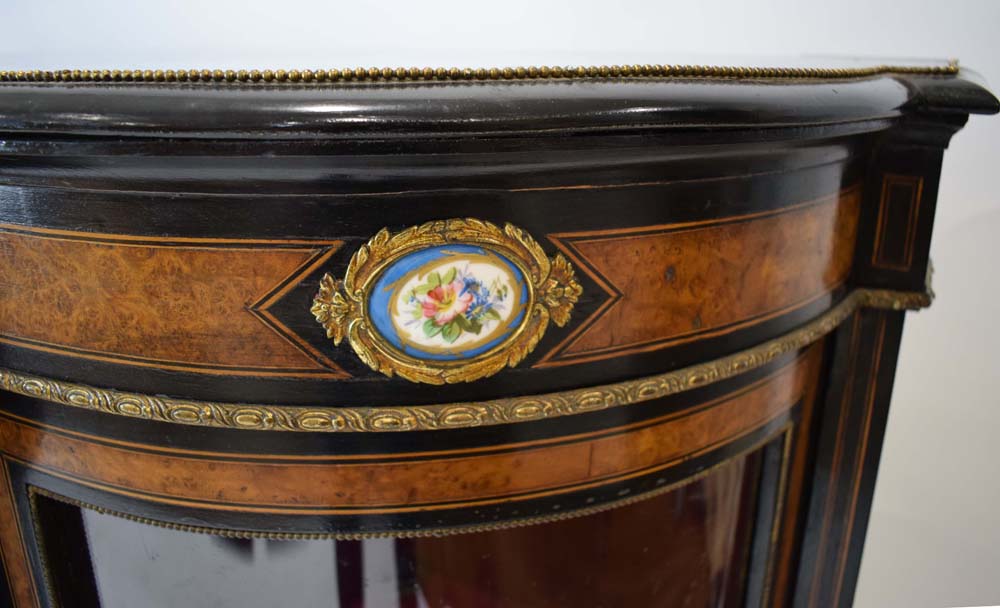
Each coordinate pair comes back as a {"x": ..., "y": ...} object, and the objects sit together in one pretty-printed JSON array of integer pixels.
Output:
[{"x": 447, "y": 301}]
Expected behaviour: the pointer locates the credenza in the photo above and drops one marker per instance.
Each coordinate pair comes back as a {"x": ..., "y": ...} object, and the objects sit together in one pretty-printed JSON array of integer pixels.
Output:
[{"x": 605, "y": 336}]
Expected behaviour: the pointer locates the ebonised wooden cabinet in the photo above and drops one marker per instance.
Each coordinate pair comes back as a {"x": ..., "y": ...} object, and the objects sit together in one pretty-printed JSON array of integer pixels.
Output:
[{"x": 525, "y": 338}]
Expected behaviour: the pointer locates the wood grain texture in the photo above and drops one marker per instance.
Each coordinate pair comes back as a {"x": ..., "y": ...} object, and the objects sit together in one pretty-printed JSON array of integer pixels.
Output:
[
  {"x": 679, "y": 282},
  {"x": 181, "y": 304},
  {"x": 342, "y": 486},
  {"x": 12, "y": 549}
]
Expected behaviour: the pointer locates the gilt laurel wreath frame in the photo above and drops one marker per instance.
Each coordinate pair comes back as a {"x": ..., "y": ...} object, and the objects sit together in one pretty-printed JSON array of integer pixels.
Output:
[{"x": 341, "y": 306}]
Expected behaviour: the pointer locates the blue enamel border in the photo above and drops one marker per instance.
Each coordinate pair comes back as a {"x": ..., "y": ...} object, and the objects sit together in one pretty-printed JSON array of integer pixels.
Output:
[{"x": 381, "y": 294}]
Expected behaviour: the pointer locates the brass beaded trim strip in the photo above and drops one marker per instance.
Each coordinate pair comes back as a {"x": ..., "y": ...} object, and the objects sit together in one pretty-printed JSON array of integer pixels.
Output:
[
  {"x": 452, "y": 415},
  {"x": 459, "y": 74},
  {"x": 35, "y": 491}
]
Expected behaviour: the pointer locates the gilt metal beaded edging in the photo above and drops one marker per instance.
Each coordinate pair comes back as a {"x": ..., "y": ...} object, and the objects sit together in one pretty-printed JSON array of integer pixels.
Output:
[
  {"x": 440, "y": 74},
  {"x": 452, "y": 415},
  {"x": 34, "y": 492}
]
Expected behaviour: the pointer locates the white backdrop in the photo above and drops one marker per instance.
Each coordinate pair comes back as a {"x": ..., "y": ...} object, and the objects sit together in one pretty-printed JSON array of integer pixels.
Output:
[{"x": 934, "y": 538}]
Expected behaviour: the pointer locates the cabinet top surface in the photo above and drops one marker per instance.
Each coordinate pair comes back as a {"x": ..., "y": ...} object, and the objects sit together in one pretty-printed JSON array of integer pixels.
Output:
[{"x": 391, "y": 102}]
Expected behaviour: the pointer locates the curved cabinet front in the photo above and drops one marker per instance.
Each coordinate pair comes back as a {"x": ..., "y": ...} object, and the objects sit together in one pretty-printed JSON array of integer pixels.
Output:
[{"x": 608, "y": 364}]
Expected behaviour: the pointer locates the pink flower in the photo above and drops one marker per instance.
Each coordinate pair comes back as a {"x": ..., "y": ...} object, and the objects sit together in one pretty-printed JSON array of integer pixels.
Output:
[{"x": 443, "y": 302}]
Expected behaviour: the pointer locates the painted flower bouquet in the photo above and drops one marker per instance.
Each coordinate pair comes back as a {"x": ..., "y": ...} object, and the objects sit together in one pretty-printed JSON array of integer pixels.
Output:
[{"x": 448, "y": 305}]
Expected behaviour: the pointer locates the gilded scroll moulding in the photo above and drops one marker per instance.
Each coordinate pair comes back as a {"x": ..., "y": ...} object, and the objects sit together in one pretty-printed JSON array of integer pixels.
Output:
[{"x": 453, "y": 415}]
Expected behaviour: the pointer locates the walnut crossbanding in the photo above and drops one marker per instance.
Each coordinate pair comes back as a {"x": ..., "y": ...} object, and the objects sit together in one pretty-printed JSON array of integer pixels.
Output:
[{"x": 453, "y": 415}]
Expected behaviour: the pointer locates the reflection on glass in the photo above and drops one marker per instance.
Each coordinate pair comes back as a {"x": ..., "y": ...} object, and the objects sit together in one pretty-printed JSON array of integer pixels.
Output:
[{"x": 686, "y": 548}]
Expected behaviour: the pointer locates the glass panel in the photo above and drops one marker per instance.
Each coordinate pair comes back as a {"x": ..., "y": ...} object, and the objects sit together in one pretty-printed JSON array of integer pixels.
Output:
[
  {"x": 140, "y": 565},
  {"x": 686, "y": 548}
]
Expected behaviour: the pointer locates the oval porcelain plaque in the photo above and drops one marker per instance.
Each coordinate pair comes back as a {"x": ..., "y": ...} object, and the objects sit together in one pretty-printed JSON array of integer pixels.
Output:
[{"x": 447, "y": 301}]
